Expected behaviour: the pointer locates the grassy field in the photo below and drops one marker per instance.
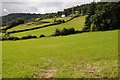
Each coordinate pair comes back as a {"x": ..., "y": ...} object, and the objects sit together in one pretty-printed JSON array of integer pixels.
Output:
[
  {"x": 36, "y": 24},
  {"x": 86, "y": 55},
  {"x": 26, "y": 26},
  {"x": 76, "y": 23},
  {"x": 3, "y": 27},
  {"x": 59, "y": 18}
]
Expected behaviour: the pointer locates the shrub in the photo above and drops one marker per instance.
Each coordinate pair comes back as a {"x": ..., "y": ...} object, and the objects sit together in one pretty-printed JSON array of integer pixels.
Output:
[
  {"x": 64, "y": 32},
  {"x": 85, "y": 29},
  {"x": 42, "y": 36},
  {"x": 57, "y": 32},
  {"x": 60, "y": 21},
  {"x": 2, "y": 38},
  {"x": 13, "y": 38},
  {"x": 71, "y": 31},
  {"x": 28, "y": 37}
]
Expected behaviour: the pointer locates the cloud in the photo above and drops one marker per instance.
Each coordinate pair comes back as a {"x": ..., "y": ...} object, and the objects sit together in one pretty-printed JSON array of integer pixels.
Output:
[
  {"x": 47, "y": 0},
  {"x": 36, "y": 7}
]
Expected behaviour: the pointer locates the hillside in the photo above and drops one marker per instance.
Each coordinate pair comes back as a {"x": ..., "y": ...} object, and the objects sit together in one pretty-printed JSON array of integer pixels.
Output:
[
  {"x": 38, "y": 23},
  {"x": 87, "y": 55},
  {"x": 77, "y": 23},
  {"x": 12, "y": 16}
]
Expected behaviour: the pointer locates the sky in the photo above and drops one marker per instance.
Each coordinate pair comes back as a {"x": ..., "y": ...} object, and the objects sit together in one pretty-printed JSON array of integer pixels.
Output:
[{"x": 38, "y": 6}]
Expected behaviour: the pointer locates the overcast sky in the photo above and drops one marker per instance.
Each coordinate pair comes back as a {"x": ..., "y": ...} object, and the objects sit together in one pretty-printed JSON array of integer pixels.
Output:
[{"x": 38, "y": 6}]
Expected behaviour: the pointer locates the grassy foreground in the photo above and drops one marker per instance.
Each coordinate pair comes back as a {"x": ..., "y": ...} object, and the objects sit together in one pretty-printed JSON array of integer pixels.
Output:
[{"x": 88, "y": 55}]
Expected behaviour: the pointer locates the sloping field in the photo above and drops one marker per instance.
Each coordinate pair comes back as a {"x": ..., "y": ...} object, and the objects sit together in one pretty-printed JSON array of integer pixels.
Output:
[
  {"x": 3, "y": 27},
  {"x": 36, "y": 24},
  {"x": 92, "y": 54},
  {"x": 27, "y": 26},
  {"x": 60, "y": 18},
  {"x": 76, "y": 23}
]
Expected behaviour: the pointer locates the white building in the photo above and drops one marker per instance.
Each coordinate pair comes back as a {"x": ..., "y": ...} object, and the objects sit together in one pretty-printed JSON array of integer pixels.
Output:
[{"x": 63, "y": 15}]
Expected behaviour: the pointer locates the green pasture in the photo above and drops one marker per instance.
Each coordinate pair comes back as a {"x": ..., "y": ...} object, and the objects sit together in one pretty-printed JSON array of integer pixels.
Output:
[
  {"x": 85, "y": 55},
  {"x": 26, "y": 26},
  {"x": 36, "y": 24},
  {"x": 77, "y": 23},
  {"x": 3, "y": 27},
  {"x": 1, "y": 34},
  {"x": 59, "y": 18}
]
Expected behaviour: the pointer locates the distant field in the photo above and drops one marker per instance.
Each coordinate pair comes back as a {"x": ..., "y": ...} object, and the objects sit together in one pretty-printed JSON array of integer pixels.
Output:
[
  {"x": 86, "y": 55},
  {"x": 3, "y": 27},
  {"x": 26, "y": 26},
  {"x": 60, "y": 18},
  {"x": 36, "y": 24},
  {"x": 1, "y": 34},
  {"x": 77, "y": 23}
]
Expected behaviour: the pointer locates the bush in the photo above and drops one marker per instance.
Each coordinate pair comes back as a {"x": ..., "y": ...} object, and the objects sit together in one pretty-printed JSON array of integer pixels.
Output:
[
  {"x": 60, "y": 21},
  {"x": 64, "y": 32},
  {"x": 42, "y": 36},
  {"x": 57, "y": 32},
  {"x": 2, "y": 38},
  {"x": 13, "y": 38},
  {"x": 28, "y": 37},
  {"x": 85, "y": 29},
  {"x": 71, "y": 31}
]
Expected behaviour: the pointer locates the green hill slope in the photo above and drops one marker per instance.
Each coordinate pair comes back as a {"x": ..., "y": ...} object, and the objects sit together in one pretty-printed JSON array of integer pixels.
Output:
[
  {"x": 36, "y": 23},
  {"x": 93, "y": 54},
  {"x": 76, "y": 23}
]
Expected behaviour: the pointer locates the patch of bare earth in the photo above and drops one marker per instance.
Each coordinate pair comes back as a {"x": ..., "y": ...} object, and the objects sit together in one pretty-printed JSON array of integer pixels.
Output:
[
  {"x": 47, "y": 74},
  {"x": 92, "y": 70}
]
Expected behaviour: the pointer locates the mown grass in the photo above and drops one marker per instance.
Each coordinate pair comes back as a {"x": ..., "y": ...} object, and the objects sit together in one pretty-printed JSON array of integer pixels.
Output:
[
  {"x": 77, "y": 23},
  {"x": 85, "y": 55}
]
